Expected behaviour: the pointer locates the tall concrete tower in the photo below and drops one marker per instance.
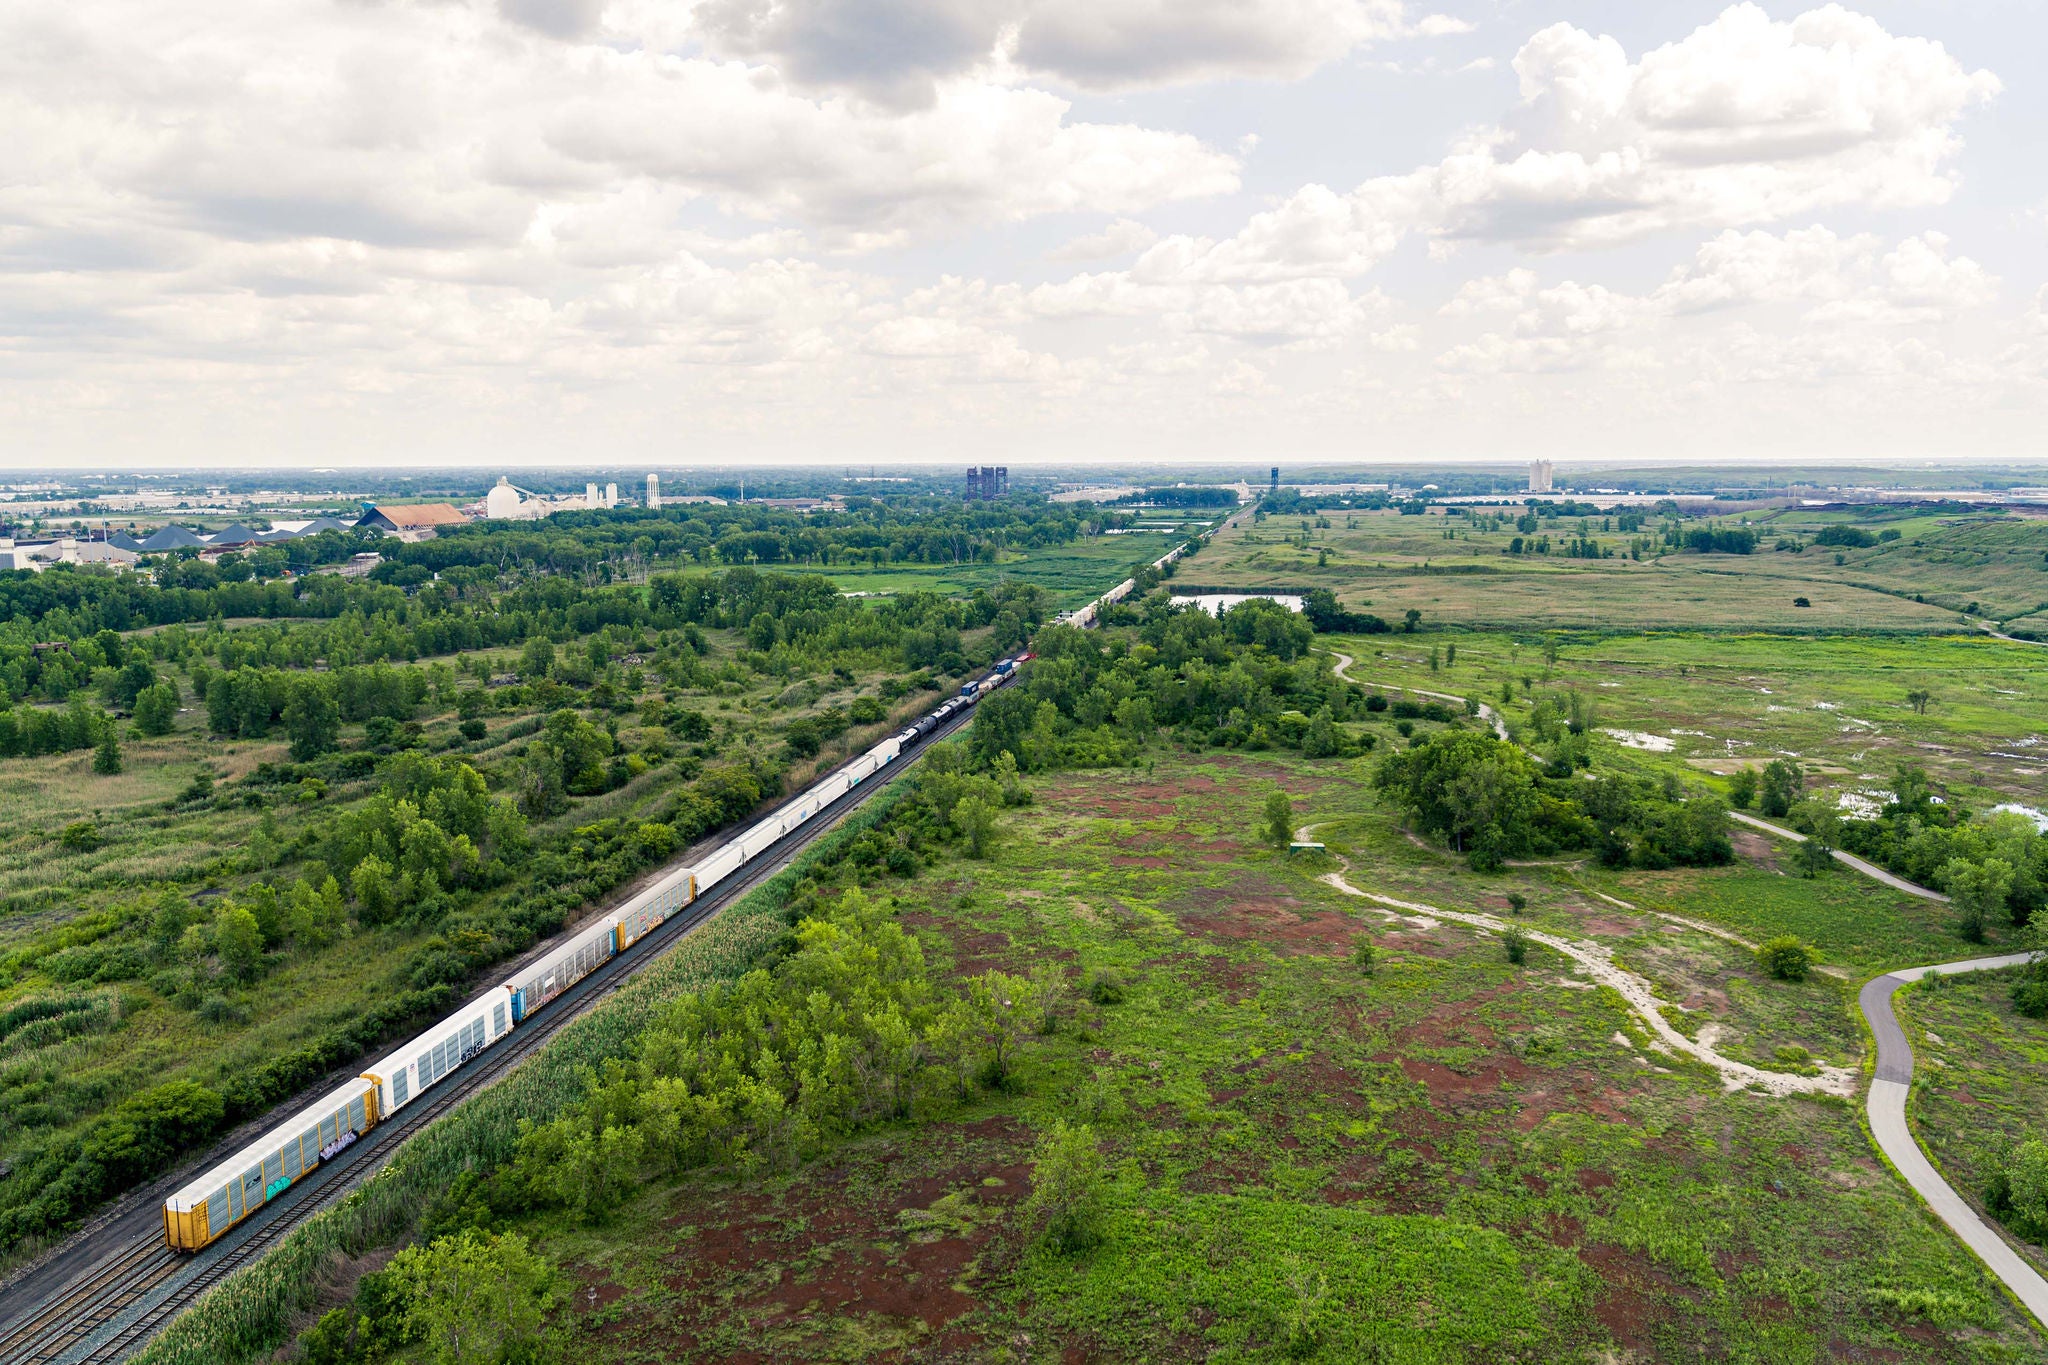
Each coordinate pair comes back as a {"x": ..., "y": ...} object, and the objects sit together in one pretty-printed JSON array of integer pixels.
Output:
[
  {"x": 654, "y": 492},
  {"x": 611, "y": 495},
  {"x": 1540, "y": 474},
  {"x": 590, "y": 498}
]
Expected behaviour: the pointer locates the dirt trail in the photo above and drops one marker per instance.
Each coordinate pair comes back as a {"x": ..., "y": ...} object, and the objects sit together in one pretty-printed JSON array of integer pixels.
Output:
[
  {"x": 1598, "y": 962},
  {"x": 1486, "y": 713}
]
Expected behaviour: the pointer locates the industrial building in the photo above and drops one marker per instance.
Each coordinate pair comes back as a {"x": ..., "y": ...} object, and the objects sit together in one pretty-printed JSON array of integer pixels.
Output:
[
  {"x": 411, "y": 521},
  {"x": 987, "y": 483}
]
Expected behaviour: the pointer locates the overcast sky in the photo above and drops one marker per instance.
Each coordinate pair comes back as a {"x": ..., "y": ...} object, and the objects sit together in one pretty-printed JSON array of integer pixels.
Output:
[{"x": 437, "y": 231}]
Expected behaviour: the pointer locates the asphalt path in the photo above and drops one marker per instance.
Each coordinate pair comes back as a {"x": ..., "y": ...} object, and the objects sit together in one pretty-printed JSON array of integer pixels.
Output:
[
  {"x": 1871, "y": 870},
  {"x": 1886, "y": 1103},
  {"x": 1893, "y": 1083},
  {"x": 1887, "y": 1109}
]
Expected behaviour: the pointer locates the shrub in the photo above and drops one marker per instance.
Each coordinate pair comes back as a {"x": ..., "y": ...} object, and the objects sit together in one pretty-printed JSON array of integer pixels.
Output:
[
  {"x": 1105, "y": 986},
  {"x": 1516, "y": 945},
  {"x": 1068, "y": 1181},
  {"x": 80, "y": 836},
  {"x": 1785, "y": 958},
  {"x": 2017, "y": 1192},
  {"x": 479, "y": 1297},
  {"x": 1517, "y": 902},
  {"x": 1279, "y": 825},
  {"x": 218, "y": 1009},
  {"x": 472, "y": 730},
  {"x": 1364, "y": 955}
]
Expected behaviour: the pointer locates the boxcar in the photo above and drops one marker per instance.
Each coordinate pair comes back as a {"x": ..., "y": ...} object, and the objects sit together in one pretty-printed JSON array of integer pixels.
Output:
[
  {"x": 257, "y": 1174},
  {"x": 652, "y": 907},
  {"x": 401, "y": 1076},
  {"x": 585, "y": 951}
]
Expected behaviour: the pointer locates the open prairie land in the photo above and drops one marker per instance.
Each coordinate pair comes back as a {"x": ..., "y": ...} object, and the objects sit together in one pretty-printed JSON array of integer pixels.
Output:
[
  {"x": 1452, "y": 1158},
  {"x": 1456, "y": 569},
  {"x": 1709, "y": 704}
]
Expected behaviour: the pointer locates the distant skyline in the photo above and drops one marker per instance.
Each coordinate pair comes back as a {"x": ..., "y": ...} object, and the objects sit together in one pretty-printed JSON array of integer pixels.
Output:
[{"x": 475, "y": 233}]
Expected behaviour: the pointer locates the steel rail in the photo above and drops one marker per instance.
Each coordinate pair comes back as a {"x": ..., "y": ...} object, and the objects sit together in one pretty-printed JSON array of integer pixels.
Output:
[{"x": 122, "y": 1299}]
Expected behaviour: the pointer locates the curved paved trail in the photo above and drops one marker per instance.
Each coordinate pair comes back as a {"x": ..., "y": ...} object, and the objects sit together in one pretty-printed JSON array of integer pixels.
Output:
[
  {"x": 1871, "y": 870},
  {"x": 1887, "y": 1108},
  {"x": 1886, "y": 1103}
]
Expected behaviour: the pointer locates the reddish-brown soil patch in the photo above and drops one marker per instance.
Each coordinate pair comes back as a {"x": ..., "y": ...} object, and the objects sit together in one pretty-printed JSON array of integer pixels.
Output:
[
  {"x": 1635, "y": 1295},
  {"x": 1255, "y": 909},
  {"x": 1610, "y": 926},
  {"x": 1753, "y": 847},
  {"x": 856, "y": 1237},
  {"x": 1481, "y": 1078},
  {"x": 1235, "y": 982}
]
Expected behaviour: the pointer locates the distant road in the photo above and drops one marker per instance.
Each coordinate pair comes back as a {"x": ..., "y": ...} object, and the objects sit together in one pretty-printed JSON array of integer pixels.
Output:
[{"x": 1887, "y": 1109}]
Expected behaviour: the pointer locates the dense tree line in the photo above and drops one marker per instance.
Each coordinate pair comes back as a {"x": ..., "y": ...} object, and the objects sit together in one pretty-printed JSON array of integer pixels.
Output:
[
  {"x": 870, "y": 531},
  {"x": 499, "y": 583},
  {"x": 1720, "y": 540},
  {"x": 1320, "y": 606},
  {"x": 1486, "y": 798},
  {"x": 1093, "y": 698}
]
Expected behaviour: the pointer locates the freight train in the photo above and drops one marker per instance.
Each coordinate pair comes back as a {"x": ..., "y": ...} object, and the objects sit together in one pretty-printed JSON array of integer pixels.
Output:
[{"x": 205, "y": 1209}]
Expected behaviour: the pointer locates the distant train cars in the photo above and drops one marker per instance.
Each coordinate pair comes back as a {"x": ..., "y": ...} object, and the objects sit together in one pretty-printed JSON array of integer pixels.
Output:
[{"x": 231, "y": 1191}]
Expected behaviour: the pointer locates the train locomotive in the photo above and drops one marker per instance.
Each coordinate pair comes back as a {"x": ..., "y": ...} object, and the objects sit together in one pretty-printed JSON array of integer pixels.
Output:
[{"x": 216, "y": 1201}]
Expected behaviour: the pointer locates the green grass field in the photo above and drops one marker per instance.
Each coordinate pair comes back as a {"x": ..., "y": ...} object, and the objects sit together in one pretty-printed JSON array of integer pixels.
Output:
[
  {"x": 1723, "y": 701},
  {"x": 1452, "y": 1159},
  {"x": 1071, "y": 573},
  {"x": 1459, "y": 575}
]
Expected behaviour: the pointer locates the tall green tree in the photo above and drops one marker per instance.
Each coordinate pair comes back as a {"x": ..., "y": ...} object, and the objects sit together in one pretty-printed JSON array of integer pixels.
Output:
[
  {"x": 156, "y": 709},
  {"x": 1977, "y": 890},
  {"x": 478, "y": 1299},
  {"x": 1475, "y": 792},
  {"x": 312, "y": 718},
  {"x": 238, "y": 939},
  {"x": 1278, "y": 828},
  {"x": 975, "y": 817},
  {"x": 1822, "y": 826},
  {"x": 1780, "y": 786},
  {"x": 106, "y": 755}
]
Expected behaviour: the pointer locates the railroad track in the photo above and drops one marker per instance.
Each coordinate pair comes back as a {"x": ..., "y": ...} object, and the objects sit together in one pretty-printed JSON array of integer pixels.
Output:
[{"x": 123, "y": 1298}]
